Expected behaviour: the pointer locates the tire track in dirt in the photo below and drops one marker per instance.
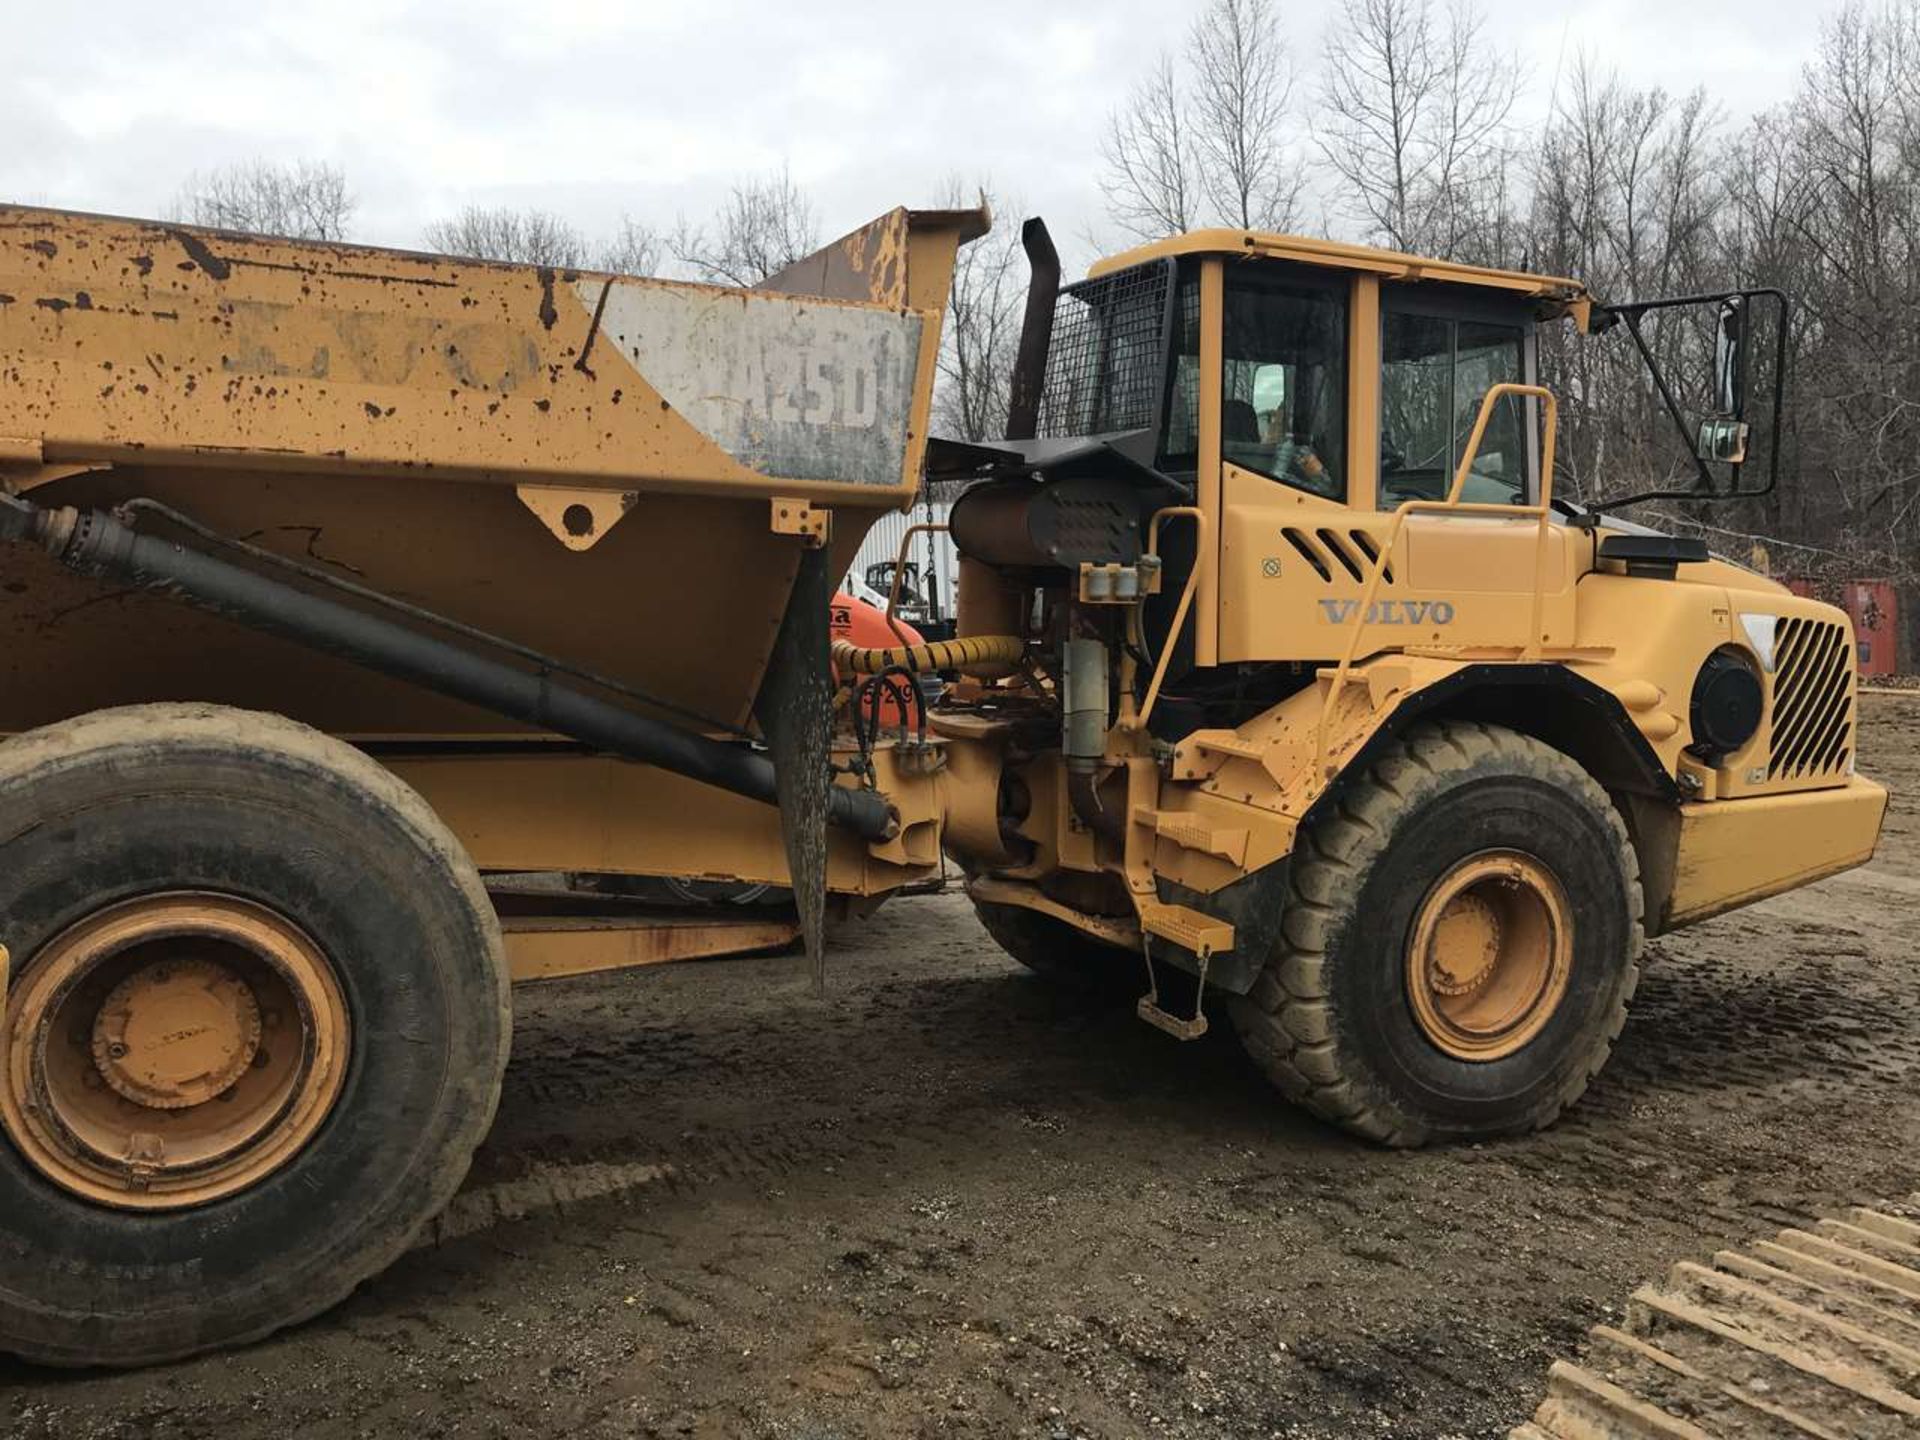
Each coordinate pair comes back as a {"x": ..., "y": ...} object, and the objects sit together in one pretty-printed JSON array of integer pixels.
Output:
[{"x": 949, "y": 1202}]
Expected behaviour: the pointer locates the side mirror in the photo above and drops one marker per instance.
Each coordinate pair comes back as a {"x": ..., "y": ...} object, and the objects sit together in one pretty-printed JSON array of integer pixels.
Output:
[
  {"x": 1723, "y": 440},
  {"x": 1723, "y": 436},
  {"x": 1730, "y": 358}
]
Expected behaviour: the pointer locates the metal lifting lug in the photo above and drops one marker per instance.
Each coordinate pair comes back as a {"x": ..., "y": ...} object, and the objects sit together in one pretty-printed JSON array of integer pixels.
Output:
[{"x": 813, "y": 524}]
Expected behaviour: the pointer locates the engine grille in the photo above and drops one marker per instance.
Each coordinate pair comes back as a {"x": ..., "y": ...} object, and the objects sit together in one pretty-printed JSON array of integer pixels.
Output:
[
  {"x": 1813, "y": 701},
  {"x": 1108, "y": 358}
]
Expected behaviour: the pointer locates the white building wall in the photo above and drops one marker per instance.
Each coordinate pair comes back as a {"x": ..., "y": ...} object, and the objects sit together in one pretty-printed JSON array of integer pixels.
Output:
[{"x": 934, "y": 553}]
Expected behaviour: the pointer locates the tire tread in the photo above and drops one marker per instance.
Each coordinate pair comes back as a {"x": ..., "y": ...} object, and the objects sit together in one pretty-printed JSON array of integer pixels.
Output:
[
  {"x": 1288, "y": 1019},
  {"x": 135, "y": 730}
]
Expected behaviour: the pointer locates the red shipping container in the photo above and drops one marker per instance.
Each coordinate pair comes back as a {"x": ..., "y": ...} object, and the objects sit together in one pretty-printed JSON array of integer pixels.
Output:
[{"x": 1874, "y": 608}]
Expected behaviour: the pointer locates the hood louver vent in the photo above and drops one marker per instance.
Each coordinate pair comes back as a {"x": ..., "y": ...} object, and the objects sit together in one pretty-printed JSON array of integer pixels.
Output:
[{"x": 1337, "y": 554}]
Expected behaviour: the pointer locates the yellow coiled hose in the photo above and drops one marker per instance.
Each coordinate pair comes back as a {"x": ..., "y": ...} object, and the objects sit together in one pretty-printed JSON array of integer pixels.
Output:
[{"x": 960, "y": 654}]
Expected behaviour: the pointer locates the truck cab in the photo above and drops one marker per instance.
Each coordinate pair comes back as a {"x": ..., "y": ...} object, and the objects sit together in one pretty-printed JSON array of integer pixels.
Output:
[{"x": 1277, "y": 519}]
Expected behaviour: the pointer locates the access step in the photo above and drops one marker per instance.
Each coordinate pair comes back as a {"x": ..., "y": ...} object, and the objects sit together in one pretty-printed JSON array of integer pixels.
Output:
[
  {"x": 1186, "y": 927},
  {"x": 1191, "y": 930}
]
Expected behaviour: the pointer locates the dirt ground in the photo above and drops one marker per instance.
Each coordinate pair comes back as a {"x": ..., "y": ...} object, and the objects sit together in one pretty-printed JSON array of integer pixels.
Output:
[{"x": 950, "y": 1202}]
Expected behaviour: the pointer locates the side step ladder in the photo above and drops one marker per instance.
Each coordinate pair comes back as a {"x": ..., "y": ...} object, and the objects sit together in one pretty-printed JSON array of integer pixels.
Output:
[{"x": 1191, "y": 930}]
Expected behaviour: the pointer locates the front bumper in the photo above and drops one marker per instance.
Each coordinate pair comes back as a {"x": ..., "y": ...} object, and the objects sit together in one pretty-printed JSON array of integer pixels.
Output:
[{"x": 1730, "y": 853}]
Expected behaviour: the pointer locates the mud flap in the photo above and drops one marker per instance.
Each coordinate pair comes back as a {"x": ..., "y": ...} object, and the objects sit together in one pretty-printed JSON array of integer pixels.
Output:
[{"x": 795, "y": 712}]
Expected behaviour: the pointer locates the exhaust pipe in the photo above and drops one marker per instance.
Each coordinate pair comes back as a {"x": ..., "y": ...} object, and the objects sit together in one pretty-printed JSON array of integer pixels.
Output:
[
  {"x": 100, "y": 546},
  {"x": 1036, "y": 330}
]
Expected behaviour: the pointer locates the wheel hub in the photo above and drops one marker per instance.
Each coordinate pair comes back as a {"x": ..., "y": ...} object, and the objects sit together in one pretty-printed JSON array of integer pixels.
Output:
[
  {"x": 1490, "y": 955},
  {"x": 172, "y": 1050},
  {"x": 1466, "y": 943},
  {"x": 175, "y": 1035}
]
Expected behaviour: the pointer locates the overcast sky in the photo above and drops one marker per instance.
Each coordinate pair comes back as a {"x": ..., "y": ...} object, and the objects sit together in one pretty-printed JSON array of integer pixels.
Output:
[{"x": 595, "y": 108}]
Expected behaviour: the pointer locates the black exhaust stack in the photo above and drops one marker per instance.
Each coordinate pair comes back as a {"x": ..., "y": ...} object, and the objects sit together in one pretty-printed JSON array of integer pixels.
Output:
[{"x": 1036, "y": 330}]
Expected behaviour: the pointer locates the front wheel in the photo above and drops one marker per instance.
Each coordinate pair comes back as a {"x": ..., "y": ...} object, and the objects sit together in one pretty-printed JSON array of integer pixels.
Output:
[
  {"x": 1460, "y": 941},
  {"x": 255, "y": 1028}
]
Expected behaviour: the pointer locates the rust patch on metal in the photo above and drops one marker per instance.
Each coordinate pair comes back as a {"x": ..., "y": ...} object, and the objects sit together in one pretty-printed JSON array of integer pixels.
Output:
[
  {"x": 593, "y": 331},
  {"x": 200, "y": 255},
  {"x": 548, "y": 314},
  {"x": 45, "y": 247}
]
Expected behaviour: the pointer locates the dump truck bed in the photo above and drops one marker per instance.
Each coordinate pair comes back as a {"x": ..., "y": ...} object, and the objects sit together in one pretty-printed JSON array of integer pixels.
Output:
[{"x": 556, "y": 455}]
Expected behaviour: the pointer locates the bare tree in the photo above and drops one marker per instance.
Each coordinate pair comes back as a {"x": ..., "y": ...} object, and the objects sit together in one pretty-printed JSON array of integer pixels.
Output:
[
  {"x": 982, "y": 328},
  {"x": 523, "y": 236},
  {"x": 539, "y": 237},
  {"x": 1625, "y": 186},
  {"x": 634, "y": 249},
  {"x": 1242, "y": 83},
  {"x": 1204, "y": 134},
  {"x": 766, "y": 225},
  {"x": 301, "y": 200},
  {"x": 1151, "y": 179},
  {"x": 1411, "y": 119}
]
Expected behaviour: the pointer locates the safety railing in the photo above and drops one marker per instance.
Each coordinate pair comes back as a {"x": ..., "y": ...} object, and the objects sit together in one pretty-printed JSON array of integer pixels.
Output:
[
  {"x": 925, "y": 527},
  {"x": 1202, "y": 558},
  {"x": 1541, "y": 509}
]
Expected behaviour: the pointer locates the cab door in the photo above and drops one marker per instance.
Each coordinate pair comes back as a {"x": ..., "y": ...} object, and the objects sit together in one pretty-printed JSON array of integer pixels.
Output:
[
  {"x": 1441, "y": 350},
  {"x": 1298, "y": 534}
]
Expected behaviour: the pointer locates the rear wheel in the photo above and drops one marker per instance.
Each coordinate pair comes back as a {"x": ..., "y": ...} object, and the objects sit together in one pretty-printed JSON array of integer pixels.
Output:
[
  {"x": 1056, "y": 951},
  {"x": 1460, "y": 942},
  {"x": 255, "y": 1028}
]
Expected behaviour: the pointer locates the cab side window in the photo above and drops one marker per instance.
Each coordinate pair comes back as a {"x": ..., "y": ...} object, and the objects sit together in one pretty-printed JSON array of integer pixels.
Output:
[
  {"x": 1435, "y": 370},
  {"x": 1284, "y": 392}
]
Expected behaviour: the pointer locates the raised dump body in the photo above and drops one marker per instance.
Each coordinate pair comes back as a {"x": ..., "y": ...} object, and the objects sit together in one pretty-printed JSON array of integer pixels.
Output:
[{"x": 558, "y": 456}]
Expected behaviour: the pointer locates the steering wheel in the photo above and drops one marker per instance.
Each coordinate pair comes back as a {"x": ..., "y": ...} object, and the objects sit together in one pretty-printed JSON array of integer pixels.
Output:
[
  {"x": 1415, "y": 484},
  {"x": 1304, "y": 467}
]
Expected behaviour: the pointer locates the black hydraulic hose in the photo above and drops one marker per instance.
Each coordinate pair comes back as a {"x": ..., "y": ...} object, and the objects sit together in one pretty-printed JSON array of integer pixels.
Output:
[
  {"x": 98, "y": 545},
  {"x": 424, "y": 616}
]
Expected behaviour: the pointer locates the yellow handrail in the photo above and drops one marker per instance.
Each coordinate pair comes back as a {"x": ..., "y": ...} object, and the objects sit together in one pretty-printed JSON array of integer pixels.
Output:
[
  {"x": 1201, "y": 559},
  {"x": 924, "y": 527},
  {"x": 1541, "y": 509}
]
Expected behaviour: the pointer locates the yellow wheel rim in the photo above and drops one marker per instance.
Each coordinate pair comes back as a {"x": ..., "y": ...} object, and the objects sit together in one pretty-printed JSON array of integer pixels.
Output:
[
  {"x": 172, "y": 1050},
  {"x": 1490, "y": 955}
]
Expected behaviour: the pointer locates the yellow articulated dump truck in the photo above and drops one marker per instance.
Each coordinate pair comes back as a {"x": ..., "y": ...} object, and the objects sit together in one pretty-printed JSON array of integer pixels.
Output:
[{"x": 358, "y": 607}]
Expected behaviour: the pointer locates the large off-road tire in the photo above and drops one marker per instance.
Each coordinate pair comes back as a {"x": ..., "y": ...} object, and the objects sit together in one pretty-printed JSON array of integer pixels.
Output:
[
  {"x": 1460, "y": 941},
  {"x": 1057, "y": 952},
  {"x": 256, "y": 1026}
]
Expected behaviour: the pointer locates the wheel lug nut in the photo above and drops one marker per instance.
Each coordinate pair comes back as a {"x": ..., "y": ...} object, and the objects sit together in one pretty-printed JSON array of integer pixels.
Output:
[{"x": 117, "y": 1051}]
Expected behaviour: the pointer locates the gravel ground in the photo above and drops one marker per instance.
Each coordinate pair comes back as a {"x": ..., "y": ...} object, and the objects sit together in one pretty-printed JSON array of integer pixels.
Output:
[{"x": 949, "y": 1201}]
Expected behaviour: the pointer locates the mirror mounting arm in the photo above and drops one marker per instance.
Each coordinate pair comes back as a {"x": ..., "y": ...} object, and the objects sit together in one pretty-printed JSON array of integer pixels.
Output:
[{"x": 1631, "y": 314}]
